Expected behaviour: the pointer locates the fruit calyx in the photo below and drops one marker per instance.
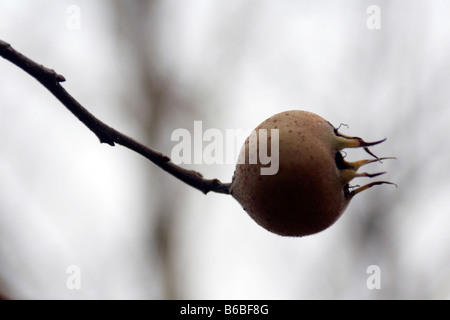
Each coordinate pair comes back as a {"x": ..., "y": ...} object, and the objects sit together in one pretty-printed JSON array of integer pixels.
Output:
[{"x": 349, "y": 169}]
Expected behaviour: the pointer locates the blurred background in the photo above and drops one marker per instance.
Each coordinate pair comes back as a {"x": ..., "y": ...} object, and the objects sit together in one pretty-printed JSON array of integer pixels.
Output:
[{"x": 147, "y": 68}]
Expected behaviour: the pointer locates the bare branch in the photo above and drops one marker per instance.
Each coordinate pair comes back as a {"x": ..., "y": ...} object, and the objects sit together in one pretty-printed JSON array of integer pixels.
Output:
[{"x": 51, "y": 80}]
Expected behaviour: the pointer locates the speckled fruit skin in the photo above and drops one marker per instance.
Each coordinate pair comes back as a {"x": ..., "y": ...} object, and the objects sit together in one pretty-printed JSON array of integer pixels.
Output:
[{"x": 306, "y": 195}]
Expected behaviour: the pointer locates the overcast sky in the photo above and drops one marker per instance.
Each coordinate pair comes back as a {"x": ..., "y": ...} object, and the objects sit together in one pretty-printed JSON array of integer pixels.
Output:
[{"x": 66, "y": 200}]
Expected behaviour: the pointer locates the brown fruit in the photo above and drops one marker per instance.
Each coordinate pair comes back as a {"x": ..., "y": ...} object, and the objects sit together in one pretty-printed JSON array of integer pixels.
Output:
[{"x": 310, "y": 189}]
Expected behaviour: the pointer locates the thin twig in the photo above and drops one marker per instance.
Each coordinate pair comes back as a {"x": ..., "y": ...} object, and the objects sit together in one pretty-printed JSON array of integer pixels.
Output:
[{"x": 51, "y": 80}]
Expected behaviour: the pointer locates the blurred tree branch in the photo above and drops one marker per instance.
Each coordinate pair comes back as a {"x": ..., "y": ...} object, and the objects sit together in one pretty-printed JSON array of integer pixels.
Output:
[{"x": 51, "y": 80}]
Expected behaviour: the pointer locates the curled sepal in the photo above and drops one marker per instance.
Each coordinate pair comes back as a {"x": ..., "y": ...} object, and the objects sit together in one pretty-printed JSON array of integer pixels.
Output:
[
  {"x": 344, "y": 141},
  {"x": 348, "y": 175},
  {"x": 355, "y": 165},
  {"x": 368, "y": 186}
]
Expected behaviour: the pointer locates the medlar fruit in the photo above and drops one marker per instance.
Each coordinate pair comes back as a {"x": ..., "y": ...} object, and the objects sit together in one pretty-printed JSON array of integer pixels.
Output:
[{"x": 310, "y": 189}]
